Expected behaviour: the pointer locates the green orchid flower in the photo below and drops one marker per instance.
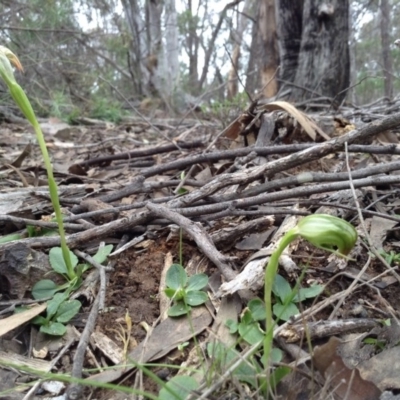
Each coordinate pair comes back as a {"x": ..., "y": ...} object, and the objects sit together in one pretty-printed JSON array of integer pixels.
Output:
[
  {"x": 327, "y": 232},
  {"x": 321, "y": 230},
  {"x": 7, "y": 60}
]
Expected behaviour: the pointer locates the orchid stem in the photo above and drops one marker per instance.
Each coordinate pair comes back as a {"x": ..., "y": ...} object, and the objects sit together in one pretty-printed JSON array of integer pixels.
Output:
[{"x": 21, "y": 99}]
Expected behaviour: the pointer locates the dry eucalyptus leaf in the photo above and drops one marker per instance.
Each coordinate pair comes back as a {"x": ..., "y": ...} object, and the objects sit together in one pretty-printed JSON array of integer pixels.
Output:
[
  {"x": 309, "y": 126},
  {"x": 345, "y": 382}
]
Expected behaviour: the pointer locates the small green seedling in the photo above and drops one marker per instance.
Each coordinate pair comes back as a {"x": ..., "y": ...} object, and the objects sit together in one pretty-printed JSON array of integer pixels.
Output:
[
  {"x": 321, "y": 230},
  {"x": 378, "y": 344},
  {"x": 47, "y": 288},
  {"x": 185, "y": 292},
  {"x": 249, "y": 327},
  {"x": 250, "y": 330},
  {"x": 182, "y": 190},
  {"x": 249, "y": 370},
  {"x": 59, "y": 311},
  {"x": 390, "y": 257},
  {"x": 29, "y": 231},
  {"x": 182, "y": 346}
]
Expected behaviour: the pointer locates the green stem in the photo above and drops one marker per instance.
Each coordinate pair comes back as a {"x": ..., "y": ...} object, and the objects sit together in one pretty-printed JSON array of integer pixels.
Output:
[
  {"x": 270, "y": 273},
  {"x": 24, "y": 104}
]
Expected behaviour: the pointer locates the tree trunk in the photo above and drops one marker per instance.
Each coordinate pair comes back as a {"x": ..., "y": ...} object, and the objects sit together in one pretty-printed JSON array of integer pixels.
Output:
[
  {"x": 264, "y": 56},
  {"x": 323, "y": 67},
  {"x": 170, "y": 76},
  {"x": 386, "y": 54},
  {"x": 269, "y": 46},
  {"x": 154, "y": 9},
  {"x": 289, "y": 16},
  {"x": 137, "y": 45},
  {"x": 235, "y": 57},
  {"x": 352, "y": 94},
  {"x": 193, "y": 50},
  {"x": 254, "y": 63}
]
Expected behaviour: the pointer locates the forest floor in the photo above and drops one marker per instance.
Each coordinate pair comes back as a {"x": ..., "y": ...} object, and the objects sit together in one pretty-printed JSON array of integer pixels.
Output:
[{"x": 215, "y": 199}]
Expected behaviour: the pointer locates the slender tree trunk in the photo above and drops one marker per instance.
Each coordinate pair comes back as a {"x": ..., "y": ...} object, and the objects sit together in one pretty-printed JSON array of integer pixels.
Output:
[
  {"x": 254, "y": 64},
  {"x": 270, "y": 56},
  {"x": 169, "y": 74},
  {"x": 193, "y": 51},
  {"x": 154, "y": 9},
  {"x": 137, "y": 45},
  {"x": 353, "y": 72},
  {"x": 386, "y": 54},
  {"x": 264, "y": 53},
  {"x": 235, "y": 57}
]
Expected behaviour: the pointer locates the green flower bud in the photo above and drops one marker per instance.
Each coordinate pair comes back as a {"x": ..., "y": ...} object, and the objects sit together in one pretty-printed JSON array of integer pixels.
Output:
[
  {"x": 11, "y": 57},
  {"x": 327, "y": 232}
]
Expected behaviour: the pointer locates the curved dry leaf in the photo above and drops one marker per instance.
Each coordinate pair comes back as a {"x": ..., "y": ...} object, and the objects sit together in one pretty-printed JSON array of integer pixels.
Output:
[{"x": 310, "y": 127}]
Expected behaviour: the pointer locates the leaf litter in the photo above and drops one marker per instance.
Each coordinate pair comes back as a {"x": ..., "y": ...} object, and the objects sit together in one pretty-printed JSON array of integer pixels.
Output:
[{"x": 231, "y": 195}]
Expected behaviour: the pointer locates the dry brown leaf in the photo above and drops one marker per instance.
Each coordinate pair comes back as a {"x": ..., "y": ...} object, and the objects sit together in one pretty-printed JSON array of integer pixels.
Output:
[
  {"x": 233, "y": 130},
  {"x": 345, "y": 382},
  {"x": 12, "y": 322},
  {"x": 310, "y": 127}
]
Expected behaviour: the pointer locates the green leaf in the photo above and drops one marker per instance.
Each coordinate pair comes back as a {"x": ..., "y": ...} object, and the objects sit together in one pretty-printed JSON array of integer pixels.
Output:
[
  {"x": 10, "y": 237},
  {"x": 281, "y": 288},
  {"x": 196, "y": 297},
  {"x": 57, "y": 260},
  {"x": 179, "y": 309},
  {"x": 275, "y": 356},
  {"x": 285, "y": 311},
  {"x": 170, "y": 292},
  {"x": 31, "y": 230},
  {"x": 257, "y": 309},
  {"x": 176, "y": 277},
  {"x": 246, "y": 317},
  {"x": 179, "y": 388},
  {"x": 182, "y": 190},
  {"x": 175, "y": 294},
  {"x": 251, "y": 332},
  {"x": 81, "y": 268},
  {"x": 308, "y": 292},
  {"x": 44, "y": 288},
  {"x": 197, "y": 282},
  {"x": 54, "y": 304},
  {"x": 54, "y": 329},
  {"x": 39, "y": 320},
  {"x": 232, "y": 325},
  {"x": 68, "y": 310},
  {"x": 103, "y": 253}
]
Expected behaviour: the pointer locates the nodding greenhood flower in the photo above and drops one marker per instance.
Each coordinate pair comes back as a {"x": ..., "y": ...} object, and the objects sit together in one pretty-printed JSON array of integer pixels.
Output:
[
  {"x": 327, "y": 232},
  {"x": 7, "y": 57},
  {"x": 11, "y": 57},
  {"x": 321, "y": 230}
]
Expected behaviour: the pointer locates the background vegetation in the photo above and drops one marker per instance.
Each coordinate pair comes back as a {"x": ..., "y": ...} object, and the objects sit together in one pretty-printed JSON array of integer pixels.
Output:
[{"x": 99, "y": 58}]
